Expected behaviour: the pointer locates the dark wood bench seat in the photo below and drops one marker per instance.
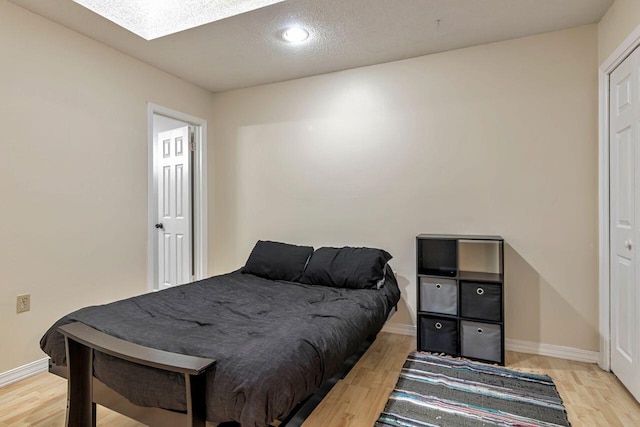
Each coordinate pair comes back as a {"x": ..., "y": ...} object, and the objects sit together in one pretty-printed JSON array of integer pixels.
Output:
[{"x": 81, "y": 340}]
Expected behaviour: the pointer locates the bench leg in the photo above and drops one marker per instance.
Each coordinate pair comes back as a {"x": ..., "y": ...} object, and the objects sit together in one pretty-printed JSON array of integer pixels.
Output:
[
  {"x": 196, "y": 403},
  {"x": 81, "y": 411}
]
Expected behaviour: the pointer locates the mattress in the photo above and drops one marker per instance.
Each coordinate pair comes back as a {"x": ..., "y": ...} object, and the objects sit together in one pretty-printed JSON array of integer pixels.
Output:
[{"x": 274, "y": 342}]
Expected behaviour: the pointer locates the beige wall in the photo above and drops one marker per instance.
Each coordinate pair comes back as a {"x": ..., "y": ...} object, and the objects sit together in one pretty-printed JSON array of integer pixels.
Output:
[
  {"x": 497, "y": 139},
  {"x": 620, "y": 20},
  {"x": 73, "y": 173}
]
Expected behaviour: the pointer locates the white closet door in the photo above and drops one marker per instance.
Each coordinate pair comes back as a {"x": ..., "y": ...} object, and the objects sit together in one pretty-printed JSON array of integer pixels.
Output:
[
  {"x": 174, "y": 208},
  {"x": 625, "y": 221}
]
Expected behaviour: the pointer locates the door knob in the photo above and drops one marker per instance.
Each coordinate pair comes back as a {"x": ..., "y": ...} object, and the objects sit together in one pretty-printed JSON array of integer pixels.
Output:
[
  {"x": 160, "y": 226},
  {"x": 628, "y": 244}
]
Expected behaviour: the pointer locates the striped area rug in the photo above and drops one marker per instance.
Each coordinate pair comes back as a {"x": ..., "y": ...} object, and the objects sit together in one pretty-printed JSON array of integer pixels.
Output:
[{"x": 436, "y": 391}]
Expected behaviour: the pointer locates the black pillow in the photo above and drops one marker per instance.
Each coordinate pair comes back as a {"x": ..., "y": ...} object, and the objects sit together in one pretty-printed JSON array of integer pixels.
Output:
[
  {"x": 355, "y": 268},
  {"x": 278, "y": 261}
]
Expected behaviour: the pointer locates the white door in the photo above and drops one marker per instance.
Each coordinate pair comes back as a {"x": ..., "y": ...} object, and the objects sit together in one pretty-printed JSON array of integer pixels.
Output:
[
  {"x": 174, "y": 208},
  {"x": 625, "y": 221}
]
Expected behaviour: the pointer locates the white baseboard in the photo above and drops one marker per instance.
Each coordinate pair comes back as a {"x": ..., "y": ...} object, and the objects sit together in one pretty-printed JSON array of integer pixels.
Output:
[
  {"x": 551, "y": 350},
  {"x": 24, "y": 371},
  {"x": 529, "y": 347},
  {"x": 397, "y": 328}
]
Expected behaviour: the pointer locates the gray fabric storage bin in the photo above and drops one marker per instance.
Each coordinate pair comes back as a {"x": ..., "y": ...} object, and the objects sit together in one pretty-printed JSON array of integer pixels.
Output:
[
  {"x": 481, "y": 301},
  {"x": 481, "y": 340},
  {"x": 438, "y": 295}
]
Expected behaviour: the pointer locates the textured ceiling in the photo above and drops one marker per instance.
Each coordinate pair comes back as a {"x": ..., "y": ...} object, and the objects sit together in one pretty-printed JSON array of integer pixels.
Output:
[{"x": 245, "y": 50}]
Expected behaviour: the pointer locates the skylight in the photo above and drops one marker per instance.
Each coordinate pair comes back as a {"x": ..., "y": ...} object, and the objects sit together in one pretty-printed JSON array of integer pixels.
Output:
[{"x": 151, "y": 19}]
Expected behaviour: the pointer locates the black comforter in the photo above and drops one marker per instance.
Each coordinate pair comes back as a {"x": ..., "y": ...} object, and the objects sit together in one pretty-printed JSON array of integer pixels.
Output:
[{"x": 274, "y": 342}]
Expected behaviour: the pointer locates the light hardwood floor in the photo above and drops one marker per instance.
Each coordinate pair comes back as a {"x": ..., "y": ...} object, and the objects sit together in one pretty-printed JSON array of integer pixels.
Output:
[{"x": 592, "y": 397}]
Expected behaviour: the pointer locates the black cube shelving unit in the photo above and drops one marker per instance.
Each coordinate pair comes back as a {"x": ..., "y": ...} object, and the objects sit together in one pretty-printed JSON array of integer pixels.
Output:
[{"x": 460, "y": 311}]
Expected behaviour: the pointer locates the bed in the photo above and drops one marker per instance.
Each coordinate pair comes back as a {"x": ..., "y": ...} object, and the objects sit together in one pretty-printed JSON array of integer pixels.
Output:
[{"x": 274, "y": 342}]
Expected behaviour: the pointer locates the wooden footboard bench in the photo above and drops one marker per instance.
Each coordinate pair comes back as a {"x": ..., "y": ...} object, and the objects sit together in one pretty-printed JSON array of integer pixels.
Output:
[{"x": 84, "y": 391}]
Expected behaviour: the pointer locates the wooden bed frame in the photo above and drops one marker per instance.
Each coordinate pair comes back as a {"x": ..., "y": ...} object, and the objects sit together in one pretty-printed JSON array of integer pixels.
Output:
[{"x": 85, "y": 391}]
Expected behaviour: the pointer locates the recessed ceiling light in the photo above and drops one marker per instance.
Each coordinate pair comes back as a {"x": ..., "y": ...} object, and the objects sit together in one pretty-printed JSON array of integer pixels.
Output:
[
  {"x": 295, "y": 34},
  {"x": 151, "y": 19}
]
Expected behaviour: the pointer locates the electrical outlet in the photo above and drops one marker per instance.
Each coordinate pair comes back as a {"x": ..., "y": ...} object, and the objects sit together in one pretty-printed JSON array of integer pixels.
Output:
[{"x": 23, "y": 303}]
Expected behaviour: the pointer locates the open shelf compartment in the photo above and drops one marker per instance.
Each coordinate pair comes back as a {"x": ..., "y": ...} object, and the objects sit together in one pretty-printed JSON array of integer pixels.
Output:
[
  {"x": 438, "y": 257},
  {"x": 480, "y": 260}
]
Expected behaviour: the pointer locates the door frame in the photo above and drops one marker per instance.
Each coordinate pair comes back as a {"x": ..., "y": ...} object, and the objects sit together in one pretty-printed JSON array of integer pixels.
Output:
[
  {"x": 617, "y": 57},
  {"x": 200, "y": 235}
]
